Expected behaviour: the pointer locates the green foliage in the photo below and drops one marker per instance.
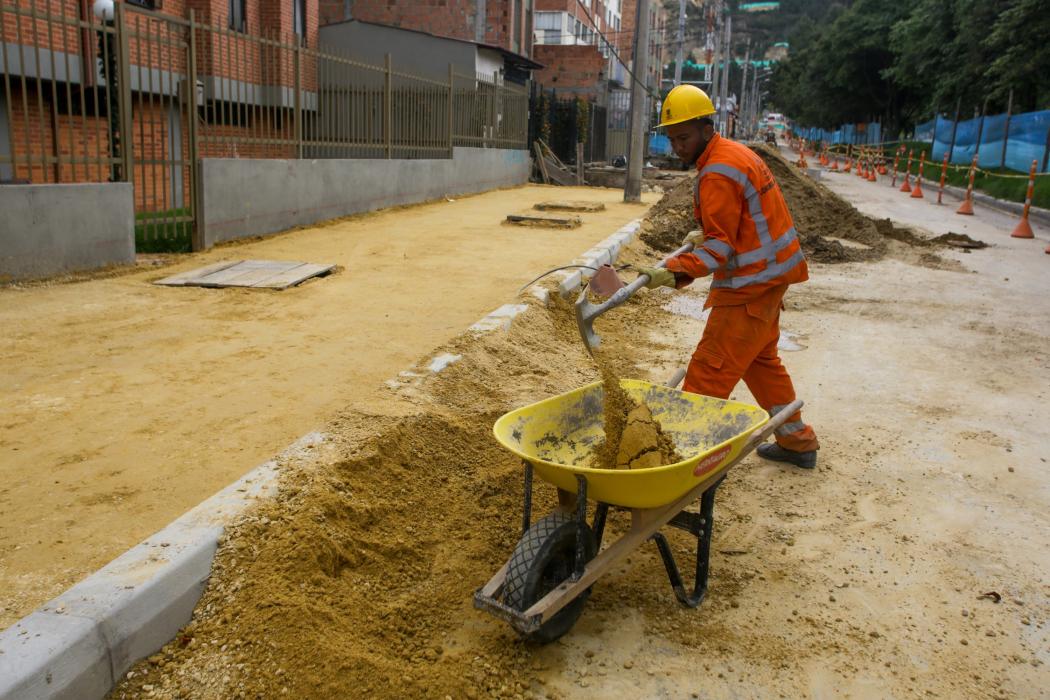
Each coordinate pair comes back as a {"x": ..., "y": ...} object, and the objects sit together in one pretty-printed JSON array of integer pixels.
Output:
[
  {"x": 160, "y": 232},
  {"x": 901, "y": 62}
]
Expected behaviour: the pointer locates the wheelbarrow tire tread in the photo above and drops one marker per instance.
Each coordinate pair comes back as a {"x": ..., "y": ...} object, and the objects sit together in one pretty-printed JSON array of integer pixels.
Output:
[{"x": 548, "y": 540}]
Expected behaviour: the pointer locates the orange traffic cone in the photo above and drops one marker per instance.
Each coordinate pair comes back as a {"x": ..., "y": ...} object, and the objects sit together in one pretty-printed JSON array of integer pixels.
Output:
[
  {"x": 906, "y": 185},
  {"x": 834, "y": 164},
  {"x": 967, "y": 204},
  {"x": 917, "y": 192},
  {"x": 1024, "y": 229},
  {"x": 871, "y": 173},
  {"x": 849, "y": 164}
]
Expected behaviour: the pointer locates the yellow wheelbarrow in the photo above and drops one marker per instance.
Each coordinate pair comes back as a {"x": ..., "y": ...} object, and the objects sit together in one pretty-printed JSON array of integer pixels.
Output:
[{"x": 542, "y": 588}]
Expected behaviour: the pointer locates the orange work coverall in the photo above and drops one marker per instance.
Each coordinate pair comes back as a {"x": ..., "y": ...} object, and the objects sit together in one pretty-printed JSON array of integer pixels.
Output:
[{"x": 752, "y": 250}]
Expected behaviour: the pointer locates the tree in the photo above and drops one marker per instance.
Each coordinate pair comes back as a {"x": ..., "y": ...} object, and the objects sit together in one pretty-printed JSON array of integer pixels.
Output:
[{"x": 902, "y": 63}]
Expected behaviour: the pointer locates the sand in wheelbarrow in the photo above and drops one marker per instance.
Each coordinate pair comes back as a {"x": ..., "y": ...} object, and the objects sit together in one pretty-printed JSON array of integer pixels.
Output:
[{"x": 633, "y": 438}]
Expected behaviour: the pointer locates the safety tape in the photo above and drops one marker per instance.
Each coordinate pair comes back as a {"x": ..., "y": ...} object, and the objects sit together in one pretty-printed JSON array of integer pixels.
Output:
[{"x": 862, "y": 152}]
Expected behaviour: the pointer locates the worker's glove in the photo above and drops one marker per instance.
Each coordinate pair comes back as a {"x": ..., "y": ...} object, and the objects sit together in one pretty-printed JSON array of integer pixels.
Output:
[
  {"x": 658, "y": 277},
  {"x": 694, "y": 237}
]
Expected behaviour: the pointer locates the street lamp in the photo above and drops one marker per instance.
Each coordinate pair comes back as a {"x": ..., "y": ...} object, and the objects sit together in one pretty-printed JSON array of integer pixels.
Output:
[{"x": 105, "y": 11}]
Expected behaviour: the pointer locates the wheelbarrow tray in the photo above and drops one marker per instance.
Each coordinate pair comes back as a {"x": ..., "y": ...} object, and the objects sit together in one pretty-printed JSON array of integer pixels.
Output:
[{"x": 558, "y": 437}]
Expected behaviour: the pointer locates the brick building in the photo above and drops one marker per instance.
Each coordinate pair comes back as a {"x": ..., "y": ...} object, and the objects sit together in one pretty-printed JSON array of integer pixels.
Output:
[
  {"x": 585, "y": 45},
  {"x": 502, "y": 23},
  {"x": 660, "y": 36},
  {"x": 58, "y": 118}
]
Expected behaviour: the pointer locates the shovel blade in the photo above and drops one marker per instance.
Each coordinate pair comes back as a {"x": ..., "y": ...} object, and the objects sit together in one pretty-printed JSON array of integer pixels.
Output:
[{"x": 585, "y": 315}]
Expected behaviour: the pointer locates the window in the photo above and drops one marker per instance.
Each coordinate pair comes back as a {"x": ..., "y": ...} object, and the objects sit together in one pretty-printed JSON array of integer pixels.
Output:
[
  {"x": 148, "y": 4},
  {"x": 299, "y": 18},
  {"x": 549, "y": 20},
  {"x": 238, "y": 15}
]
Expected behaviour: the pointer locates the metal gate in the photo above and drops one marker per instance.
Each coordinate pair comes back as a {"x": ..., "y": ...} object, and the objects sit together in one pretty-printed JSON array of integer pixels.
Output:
[
  {"x": 160, "y": 90},
  {"x": 141, "y": 97},
  {"x": 90, "y": 100}
]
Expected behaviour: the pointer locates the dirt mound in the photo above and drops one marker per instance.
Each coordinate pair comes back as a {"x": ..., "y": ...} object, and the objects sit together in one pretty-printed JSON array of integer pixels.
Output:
[
  {"x": 830, "y": 228},
  {"x": 355, "y": 580},
  {"x": 821, "y": 216},
  {"x": 670, "y": 219}
]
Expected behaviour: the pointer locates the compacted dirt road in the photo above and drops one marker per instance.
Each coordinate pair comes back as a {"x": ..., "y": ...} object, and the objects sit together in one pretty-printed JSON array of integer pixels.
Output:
[{"x": 911, "y": 563}]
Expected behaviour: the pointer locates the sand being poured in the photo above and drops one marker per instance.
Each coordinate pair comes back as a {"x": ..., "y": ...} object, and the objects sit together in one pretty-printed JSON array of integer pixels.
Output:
[{"x": 633, "y": 437}]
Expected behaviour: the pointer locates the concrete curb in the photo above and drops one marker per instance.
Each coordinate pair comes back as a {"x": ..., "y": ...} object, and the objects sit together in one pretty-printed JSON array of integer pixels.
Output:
[
  {"x": 79, "y": 644},
  {"x": 603, "y": 253}
]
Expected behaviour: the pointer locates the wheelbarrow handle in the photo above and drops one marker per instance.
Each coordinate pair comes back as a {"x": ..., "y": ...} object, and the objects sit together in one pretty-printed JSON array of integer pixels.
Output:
[{"x": 777, "y": 420}]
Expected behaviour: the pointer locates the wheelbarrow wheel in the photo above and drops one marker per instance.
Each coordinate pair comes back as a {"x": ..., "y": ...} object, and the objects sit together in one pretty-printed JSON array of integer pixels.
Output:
[{"x": 545, "y": 557}]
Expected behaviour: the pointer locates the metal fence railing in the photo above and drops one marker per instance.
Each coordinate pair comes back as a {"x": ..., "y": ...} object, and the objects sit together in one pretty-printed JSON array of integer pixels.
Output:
[{"x": 143, "y": 97}]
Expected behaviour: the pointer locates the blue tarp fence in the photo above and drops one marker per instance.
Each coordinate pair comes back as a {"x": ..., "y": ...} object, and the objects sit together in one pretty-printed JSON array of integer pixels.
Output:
[
  {"x": 659, "y": 145},
  {"x": 858, "y": 134},
  {"x": 1025, "y": 138}
]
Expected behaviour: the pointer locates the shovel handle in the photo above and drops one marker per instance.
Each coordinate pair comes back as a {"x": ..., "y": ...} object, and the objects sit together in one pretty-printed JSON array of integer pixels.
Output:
[{"x": 627, "y": 292}]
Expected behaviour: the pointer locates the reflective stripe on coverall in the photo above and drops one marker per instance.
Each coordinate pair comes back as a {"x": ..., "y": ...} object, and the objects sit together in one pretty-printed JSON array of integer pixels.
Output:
[{"x": 752, "y": 249}]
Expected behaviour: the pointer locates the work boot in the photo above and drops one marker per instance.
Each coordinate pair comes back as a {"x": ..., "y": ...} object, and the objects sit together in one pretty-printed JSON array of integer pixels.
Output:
[{"x": 776, "y": 453}]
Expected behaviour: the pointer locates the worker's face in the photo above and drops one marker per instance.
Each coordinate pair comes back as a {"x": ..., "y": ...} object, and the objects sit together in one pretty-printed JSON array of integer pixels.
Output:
[{"x": 689, "y": 139}]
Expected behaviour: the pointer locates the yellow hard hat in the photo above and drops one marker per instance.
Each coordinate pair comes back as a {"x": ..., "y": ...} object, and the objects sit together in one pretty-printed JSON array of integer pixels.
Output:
[{"x": 683, "y": 103}]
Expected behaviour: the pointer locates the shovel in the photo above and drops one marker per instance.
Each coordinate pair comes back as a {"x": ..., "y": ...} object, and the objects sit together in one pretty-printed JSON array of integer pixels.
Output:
[{"x": 586, "y": 312}]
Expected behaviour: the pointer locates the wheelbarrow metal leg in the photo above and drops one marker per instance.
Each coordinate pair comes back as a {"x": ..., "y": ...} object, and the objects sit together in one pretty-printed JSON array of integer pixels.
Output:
[
  {"x": 526, "y": 515},
  {"x": 701, "y": 525},
  {"x": 581, "y": 518}
]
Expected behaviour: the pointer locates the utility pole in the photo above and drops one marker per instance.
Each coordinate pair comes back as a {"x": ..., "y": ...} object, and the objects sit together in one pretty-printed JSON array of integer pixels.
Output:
[
  {"x": 716, "y": 55},
  {"x": 681, "y": 42},
  {"x": 741, "y": 122},
  {"x": 632, "y": 190},
  {"x": 709, "y": 44},
  {"x": 723, "y": 93}
]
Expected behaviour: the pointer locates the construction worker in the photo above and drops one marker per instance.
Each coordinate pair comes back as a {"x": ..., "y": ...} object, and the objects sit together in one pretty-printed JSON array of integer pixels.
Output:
[{"x": 751, "y": 249}]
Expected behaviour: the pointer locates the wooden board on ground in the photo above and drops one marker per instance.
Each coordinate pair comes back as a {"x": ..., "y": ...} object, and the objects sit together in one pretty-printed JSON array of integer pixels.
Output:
[
  {"x": 183, "y": 278},
  {"x": 569, "y": 206},
  {"x": 543, "y": 221},
  {"x": 294, "y": 276},
  {"x": 259, "y": 274}
]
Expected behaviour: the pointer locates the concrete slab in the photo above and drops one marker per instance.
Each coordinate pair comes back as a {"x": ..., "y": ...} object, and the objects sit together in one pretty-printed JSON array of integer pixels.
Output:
[{"x": 49, "y": 230}]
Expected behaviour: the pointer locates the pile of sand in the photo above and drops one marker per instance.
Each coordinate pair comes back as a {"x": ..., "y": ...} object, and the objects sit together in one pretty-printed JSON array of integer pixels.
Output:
[
  {"x": 670, "y": 219},
  {"x": 356, "y": 579}
]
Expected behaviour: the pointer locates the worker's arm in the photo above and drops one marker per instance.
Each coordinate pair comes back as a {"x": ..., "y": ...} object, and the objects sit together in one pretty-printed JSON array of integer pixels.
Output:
[{"x": 721, "y": 204}]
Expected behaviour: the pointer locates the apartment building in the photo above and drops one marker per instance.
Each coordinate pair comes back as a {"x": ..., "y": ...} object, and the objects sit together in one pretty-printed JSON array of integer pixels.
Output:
[
  {"x": 661, "y": 36},
  {"x": 586, "y": 45}
]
